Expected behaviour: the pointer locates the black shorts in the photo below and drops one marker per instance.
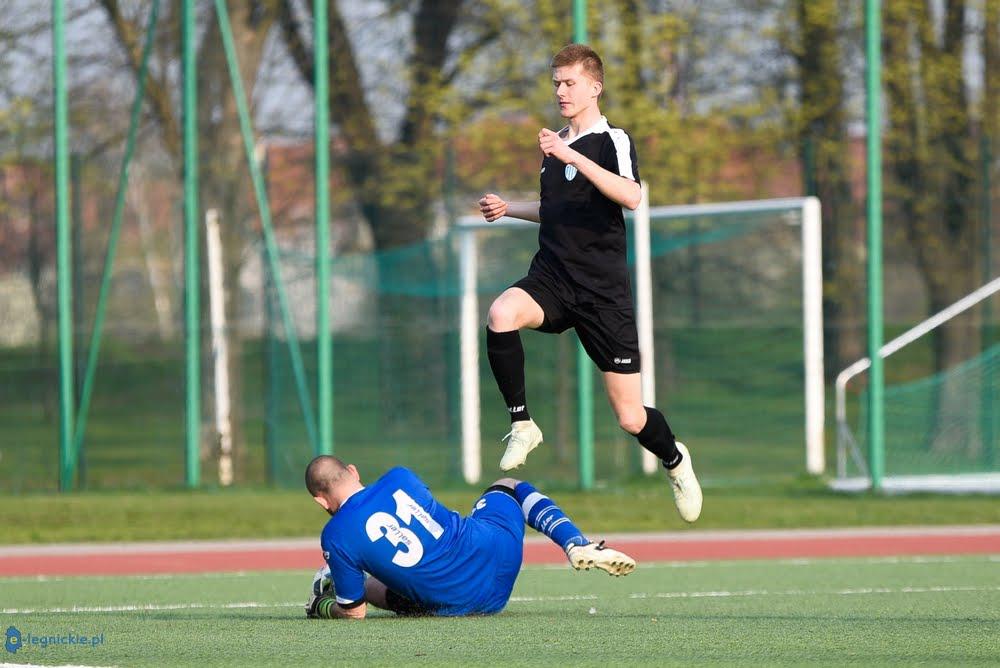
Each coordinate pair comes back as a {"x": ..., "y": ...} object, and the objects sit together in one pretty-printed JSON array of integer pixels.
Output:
[{"x": 607, "y": 332}]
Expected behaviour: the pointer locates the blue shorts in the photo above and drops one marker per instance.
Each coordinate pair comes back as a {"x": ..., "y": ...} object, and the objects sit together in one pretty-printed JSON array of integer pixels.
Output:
[{"x": 500, "y": 524}]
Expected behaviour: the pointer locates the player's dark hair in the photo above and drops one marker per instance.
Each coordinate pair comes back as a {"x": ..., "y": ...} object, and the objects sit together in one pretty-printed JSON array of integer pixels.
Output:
[
  {"x": 322, "y": 472},
  {"x": 571, "y": 54}
]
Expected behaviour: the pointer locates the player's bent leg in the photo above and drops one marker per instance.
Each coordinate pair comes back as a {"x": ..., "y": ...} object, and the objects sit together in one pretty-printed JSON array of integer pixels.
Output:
[
  {"x": 379, "y": 595},
  {"x": 511, "y": 311},
  {"x": 653, "y": 433},
  {"x": 514, "y": 309},
  {"x": 543, "y": 515},
  {"x": 625, "y": 396},
  {"x": 375, "y": 592}
]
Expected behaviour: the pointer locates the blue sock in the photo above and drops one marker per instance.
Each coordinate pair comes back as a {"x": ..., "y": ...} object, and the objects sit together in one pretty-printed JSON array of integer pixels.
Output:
[{"x": 542, "y": 515}]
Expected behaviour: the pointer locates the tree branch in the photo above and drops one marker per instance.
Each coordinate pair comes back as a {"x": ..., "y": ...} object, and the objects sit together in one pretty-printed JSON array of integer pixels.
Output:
[
  {"x": 291, "y": 31},
  {"x": 157, "y": 94},
  {"x": 432, "y": 27}
]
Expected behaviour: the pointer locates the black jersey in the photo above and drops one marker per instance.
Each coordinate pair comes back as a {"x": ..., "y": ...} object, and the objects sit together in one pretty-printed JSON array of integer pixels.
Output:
[{"x": 581, "y": 238}]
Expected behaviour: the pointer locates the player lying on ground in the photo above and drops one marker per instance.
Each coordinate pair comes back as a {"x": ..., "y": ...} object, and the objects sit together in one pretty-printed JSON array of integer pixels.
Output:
[
  {"x": 424, "y": 559},
  {"x": 579, "y": 277}
]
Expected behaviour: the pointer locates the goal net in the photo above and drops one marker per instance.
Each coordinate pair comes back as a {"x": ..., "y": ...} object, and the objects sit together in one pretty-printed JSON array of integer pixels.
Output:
[
  {"x": 724, "y": 323},
  {"x": 941, "y": 431}
]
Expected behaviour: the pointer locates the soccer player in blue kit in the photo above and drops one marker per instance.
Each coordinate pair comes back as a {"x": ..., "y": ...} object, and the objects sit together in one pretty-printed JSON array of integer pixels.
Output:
[
  {"x": 425, "y": 559},
  {"x": 579, "y": 277}
]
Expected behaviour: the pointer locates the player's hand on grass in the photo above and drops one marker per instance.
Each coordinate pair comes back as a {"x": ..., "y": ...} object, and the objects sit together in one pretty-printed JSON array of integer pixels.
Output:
[
  {"x": 552, "y": 145},
  {"x": 318, "y": 607},
  {"x": 492, "y": 207}
]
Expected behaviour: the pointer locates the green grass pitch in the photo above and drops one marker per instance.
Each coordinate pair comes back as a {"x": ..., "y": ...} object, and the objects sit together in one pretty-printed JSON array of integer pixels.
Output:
[{"x": 877, "y": 611}]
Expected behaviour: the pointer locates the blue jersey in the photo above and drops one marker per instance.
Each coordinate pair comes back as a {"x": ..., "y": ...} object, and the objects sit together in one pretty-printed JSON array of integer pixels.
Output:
[{"x": 396, "y": 530}]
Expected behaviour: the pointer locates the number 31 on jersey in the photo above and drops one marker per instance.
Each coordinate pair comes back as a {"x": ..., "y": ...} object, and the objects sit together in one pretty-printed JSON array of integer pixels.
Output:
[{"x": 384, "y": 525}]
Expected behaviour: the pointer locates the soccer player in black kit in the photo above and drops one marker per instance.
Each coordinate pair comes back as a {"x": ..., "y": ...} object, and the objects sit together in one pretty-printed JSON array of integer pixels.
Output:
[{"x": 579, "y": 278}]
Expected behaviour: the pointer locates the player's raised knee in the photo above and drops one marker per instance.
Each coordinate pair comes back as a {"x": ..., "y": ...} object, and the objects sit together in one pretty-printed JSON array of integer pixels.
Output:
[
  {"x": 632, "y": 421},
  {"x": 502, "y": 316},
  {"x": 510, "y": 483}
]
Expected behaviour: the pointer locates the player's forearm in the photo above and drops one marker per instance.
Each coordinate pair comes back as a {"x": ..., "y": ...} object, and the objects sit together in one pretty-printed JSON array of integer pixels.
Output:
[
  {"x": 326, "y": 607},
  {"x": 357, "y": 612},
  {"x": 615, "y": 187},
  {"x": 524, "y": 211}
]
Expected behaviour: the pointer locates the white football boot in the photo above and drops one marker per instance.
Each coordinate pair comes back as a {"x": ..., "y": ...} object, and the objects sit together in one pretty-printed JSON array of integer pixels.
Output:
[
  {"x": 596, "y": 555},
  {"x": 687, "y": 491},
  {"x": 524, "y": 437}
]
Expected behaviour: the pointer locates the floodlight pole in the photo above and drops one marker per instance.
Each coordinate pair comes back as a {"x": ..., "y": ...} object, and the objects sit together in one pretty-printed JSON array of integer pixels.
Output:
[
  {"x": 67, "y": 465},
  {"x": 192, "y": 325},
  {"x": 584, "y": 373},
  {"x": 876, "y": 394}
]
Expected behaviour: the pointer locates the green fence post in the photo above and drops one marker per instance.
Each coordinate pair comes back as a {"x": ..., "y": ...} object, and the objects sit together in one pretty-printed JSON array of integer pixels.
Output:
[
  {"x": 584, "y": 372},
  {"x": 64, "y": 265},
  {"x": 192, "y": 323},
  {"x": 876, "y": 395},
  {"x": 324, "y": 343}
]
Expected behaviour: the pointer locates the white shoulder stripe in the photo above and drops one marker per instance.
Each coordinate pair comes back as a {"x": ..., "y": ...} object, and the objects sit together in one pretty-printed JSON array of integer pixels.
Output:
[{"x": 623, "y": 147}]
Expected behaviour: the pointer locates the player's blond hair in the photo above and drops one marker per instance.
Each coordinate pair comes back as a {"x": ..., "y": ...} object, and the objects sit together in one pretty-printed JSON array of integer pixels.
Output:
[{"x": 571, "y": 54}]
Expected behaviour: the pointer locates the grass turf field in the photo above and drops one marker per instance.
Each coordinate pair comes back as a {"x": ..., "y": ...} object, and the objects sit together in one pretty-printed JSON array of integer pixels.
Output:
[{"x": 881, "y": 611}]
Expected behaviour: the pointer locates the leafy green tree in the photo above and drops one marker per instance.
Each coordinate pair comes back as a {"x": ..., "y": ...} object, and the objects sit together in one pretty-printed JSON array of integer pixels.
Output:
[
  {"x": 819, "y": 120},
  {"x": 932, "y": 159}
]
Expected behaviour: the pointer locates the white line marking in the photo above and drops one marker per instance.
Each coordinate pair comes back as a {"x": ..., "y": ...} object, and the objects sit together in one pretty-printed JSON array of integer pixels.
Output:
[
  {"x": 646, "y": 565},
  {"x": 247, "y": 605},
  {"x": 150, "y": 607},
  {"x": 799, "y": 561},
  {"x": 36, "y": 665},
  {"x": 138, "y": 578},
  {"x": 536, "y": 599},
  {"x": 804, "y": 592}
]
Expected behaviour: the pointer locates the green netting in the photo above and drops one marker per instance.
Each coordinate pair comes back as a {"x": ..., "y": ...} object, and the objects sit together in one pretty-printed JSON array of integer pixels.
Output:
[
  {"x": 727, "y": 301},
  {"x": 728, "y": 341},
  {"x": 947, "y": 423}
]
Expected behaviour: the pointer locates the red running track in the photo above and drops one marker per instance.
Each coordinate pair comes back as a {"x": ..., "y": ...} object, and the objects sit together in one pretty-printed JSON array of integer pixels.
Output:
[{"x": 233, "y": 556}]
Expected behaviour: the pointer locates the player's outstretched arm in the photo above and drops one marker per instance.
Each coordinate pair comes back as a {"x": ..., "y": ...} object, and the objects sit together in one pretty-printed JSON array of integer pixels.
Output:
[
  {"x": 494, "y": 207},
  {"x": 615, "y": 187}
]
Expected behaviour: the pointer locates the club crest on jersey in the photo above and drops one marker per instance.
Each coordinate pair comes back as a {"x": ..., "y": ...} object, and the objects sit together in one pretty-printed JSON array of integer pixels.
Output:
[{"x": 570, "y": 172}]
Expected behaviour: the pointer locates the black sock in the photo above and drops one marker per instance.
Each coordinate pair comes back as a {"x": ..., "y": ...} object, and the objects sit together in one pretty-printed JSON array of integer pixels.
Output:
[
  {"x": 507, "y": 361},
  {"x": 658, "y": 439}
]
